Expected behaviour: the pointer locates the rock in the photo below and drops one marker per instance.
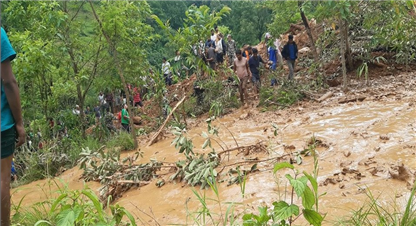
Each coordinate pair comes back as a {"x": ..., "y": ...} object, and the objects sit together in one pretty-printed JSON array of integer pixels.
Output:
[
  {"x": 244, "y": 116},
  {"x": 384, "y": 137},
  {"x": 137, "y": 120},
  {"x": 347, "y": 153},
  {"x": 400, "y": 172},
  {"x": 344, "y": 164},
  {"x": 304, "y": 50}
]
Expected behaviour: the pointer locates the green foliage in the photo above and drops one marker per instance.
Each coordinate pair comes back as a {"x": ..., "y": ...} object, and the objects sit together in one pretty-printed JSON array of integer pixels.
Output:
[
  {"x": 304, "y": 186},
  {"x": 98, "y": 165},
  {"x": 197, "y": 26},
  {"x": 376, "y": 213},
  {"x": 284, "y": 96},
  {"x": 122, "y": 140},
  {"x": 196, "y": 169},
  {"x": 79, "y": 207},
  {"x": 392, "y": 25}
]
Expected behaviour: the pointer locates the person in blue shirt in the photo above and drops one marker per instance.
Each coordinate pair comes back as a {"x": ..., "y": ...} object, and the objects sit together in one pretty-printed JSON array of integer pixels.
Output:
[
  {"x": 11, "y": 123},
  {"x": 272, "y": 56},
  {"x": 290, "y": 54}
]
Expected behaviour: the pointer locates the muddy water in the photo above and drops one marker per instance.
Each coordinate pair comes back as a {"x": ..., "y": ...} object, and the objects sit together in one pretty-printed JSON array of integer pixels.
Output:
[{"x": 359, "y": 137}]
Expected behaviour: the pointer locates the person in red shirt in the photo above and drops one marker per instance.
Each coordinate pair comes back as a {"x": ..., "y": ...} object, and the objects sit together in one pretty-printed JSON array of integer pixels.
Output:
[{"x": 136, "y": 97}]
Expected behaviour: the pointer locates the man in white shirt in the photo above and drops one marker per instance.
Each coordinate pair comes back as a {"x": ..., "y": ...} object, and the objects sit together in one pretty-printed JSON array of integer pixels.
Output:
[
  {"x": 166, "y": 72},
  {"x": 213, "y": 35}
]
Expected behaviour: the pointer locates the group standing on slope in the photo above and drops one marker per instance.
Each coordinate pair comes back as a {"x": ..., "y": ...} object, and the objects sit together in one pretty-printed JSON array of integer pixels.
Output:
[{"x": 245, "y": 62}]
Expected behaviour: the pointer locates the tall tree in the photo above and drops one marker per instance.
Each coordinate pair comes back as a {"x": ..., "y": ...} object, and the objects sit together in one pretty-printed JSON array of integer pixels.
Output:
[
  {"x": 308, "y": 30},
  {"x": 122, "y": 23}
]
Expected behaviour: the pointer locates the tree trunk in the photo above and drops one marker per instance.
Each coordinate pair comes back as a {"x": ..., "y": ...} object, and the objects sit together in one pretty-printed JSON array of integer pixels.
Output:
[
  {"x": 348, "y": 51},
  {"x": 121, "y": 74},
  {"x": 309, "y": 32},
  {"x": 342, "y": 45},
  {"x": 81, "y": 113}
]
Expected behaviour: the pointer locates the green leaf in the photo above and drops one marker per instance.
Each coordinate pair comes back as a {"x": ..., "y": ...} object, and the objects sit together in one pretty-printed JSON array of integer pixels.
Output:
[
  {"x": 313, "y": 217},
  {"x": 42, "y": 223},
  {"x": 312, "y": 180},
  {"x": 282, "y": 165},
  {"x": 247, "y": 216},
  {"x": 298, "y": 185},
  {"x": 283, "y": 211},
  {"x": 308, "y": 198},
  {"x": 205, "y": 144},
  {"x": 66, "y": 218}
]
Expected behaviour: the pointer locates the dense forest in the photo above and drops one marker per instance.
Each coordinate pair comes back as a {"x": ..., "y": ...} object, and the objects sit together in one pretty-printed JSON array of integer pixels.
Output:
[{"x": 69, "y": 53}]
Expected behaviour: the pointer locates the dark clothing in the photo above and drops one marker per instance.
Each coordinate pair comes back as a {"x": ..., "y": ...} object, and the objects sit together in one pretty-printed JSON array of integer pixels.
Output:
[
  {"x": 209, "y": 42},
  {"x": 97, "y": 112},
  {"x": 220, "y": 58},
  {"x": 126, "y": 127},
  {"x": 211, "y": 55},
  {"x": 224, "y": 47},
  {"x": 168, "y": 79},
  {"x": 254, "y": 64},
  {"x": 8, "y": 142},
  {"x": 290, "y": 51}
]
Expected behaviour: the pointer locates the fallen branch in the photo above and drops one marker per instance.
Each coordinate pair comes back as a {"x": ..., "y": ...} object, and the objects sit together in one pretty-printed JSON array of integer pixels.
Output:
[
  {"x": 325, "y": 96},
  {"x": 253, "y": 161},
  {"x": 259, "y": 144},
  {"x": 153, "y": 140},
  {"x": 354, "y": 99},
  {"x": 133, "y": 182}
]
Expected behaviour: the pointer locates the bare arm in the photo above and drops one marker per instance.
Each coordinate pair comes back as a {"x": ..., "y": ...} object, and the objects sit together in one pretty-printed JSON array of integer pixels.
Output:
[
  {"x": 248, "y": 70},
  {"x": 235, "y": 68},
  {"x": 13, "y": 98}
]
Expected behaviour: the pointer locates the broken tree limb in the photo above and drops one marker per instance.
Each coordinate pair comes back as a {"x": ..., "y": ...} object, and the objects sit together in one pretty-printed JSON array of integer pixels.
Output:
[
  {"x": 325, "y": 96},
  {"x": 354, "y": 99},
  {"x": 156, "y": 135},
  {"x": 259, "y": 145},
  {"x": 141, "y": 183}
]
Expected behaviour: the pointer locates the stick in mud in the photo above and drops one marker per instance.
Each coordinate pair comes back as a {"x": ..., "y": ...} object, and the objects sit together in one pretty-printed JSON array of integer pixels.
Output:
[{"x": 152, "y": 141}]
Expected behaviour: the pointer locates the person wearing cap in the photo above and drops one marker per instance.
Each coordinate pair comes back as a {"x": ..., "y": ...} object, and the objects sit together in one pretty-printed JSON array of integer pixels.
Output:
[
  {"x": 290, "y": 54},
  {"x": 76, "y": 111},
  {"x": 13, "y": 132},
  {"x": 231, "y": 50}
]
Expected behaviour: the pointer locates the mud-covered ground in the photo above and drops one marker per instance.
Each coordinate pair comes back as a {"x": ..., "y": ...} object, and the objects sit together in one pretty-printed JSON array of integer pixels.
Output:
[{"x": 364, "y": 144}]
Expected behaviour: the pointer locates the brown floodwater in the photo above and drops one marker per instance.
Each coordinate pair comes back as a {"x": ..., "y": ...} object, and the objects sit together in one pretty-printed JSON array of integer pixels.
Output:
[{"x": 359, "y": 137}]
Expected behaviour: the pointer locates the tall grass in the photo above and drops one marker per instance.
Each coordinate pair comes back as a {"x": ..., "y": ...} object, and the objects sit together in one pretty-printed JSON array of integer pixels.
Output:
[
  {"x": 374, "y": 213},
  {"x": 80, "y": 207}
]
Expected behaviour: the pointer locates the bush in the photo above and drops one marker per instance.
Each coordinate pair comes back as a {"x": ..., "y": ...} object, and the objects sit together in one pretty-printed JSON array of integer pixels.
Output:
[
  {"x": 123, "y": 140},
  {"x": 284, "y": 96},
  {"x": 81, "y": 207},
  {"x": 214, "y": 91}
]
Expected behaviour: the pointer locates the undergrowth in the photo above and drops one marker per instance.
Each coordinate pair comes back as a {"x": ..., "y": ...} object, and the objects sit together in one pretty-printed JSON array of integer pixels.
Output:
[
  {"x": 69, "y": 208},
  {"x": 375, "y": 213}
]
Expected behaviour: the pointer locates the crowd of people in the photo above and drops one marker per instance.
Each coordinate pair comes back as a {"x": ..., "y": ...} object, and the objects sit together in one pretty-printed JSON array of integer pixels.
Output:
[
  {"x": 215, "y": 52},
  {"x": 245, "y": 62}
]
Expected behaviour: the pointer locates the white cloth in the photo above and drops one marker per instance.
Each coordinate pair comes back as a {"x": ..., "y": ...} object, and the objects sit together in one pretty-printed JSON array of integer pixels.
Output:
[
  {"x": 166, "y": 68},
  {"x": 214, "y": 37},
  {"x": 277, "y": 44},
  {"x": 218, "y": 46},
  {"x": 101, "y": 98},
  {"x": 267, "y": 36},
  {"x": 177, "y": 58}
]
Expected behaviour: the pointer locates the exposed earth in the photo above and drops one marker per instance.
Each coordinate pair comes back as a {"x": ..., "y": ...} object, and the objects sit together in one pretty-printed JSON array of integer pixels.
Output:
[{"x": 367, "y": 139}]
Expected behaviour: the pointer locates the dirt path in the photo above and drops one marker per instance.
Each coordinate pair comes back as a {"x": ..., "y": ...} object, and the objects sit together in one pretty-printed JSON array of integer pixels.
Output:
[{"x": 369, "y": 144}]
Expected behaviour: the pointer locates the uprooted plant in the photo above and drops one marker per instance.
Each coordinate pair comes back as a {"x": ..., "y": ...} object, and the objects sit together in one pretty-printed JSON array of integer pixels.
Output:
[
  {"x": 115, "y": 175},
  {"x": 196, "y": 168}
]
